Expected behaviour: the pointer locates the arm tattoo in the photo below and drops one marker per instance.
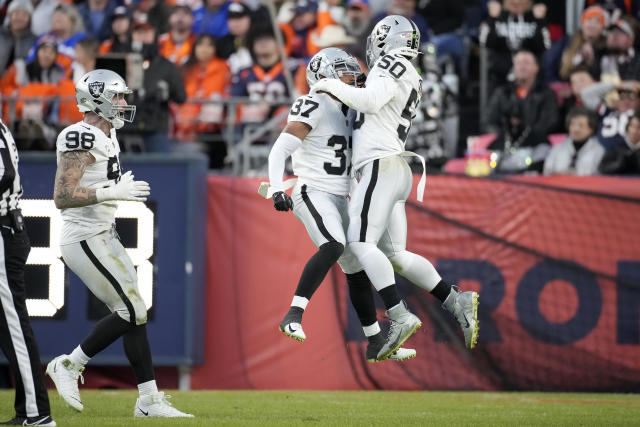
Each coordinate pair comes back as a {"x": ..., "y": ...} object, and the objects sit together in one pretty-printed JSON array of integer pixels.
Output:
[{"x": 67, "y": 192}]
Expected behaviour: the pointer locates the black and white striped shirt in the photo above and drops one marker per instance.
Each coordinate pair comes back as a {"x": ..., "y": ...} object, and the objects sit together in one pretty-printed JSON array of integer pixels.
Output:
[{"x": 10, "y": 188}]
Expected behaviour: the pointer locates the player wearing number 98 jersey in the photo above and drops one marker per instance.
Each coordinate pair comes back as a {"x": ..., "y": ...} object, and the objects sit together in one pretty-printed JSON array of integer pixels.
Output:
[
  {"x": 377, "y": 232},
  {"x": 318, "y": 136},
  {"x": 80, "y": 223},
  {"x": 88, "y": 184}
]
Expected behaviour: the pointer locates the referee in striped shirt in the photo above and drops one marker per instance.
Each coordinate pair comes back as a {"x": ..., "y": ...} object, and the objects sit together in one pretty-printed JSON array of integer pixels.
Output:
[{"x": 16, "y": 337}]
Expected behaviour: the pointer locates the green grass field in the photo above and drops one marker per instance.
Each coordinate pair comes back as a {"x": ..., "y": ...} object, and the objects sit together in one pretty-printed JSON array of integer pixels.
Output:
[{"x": 251, "y": 408}]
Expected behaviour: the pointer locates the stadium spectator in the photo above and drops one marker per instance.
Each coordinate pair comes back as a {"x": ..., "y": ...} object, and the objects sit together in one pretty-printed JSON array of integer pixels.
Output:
[
  {"x": 67, "y": 29},
  {"x": 579, "y": 78},
  {"x": 580, "y": 153},
  {"x": 521, "y": 147},
  {"x": 177, "y": 44},
  {"x": 16, "y": 39},
  {"x": 528, "y": 94},
  {"x": 162, "y": 84},
  {"x": 86, "y": 52},
  {"x": 37, "y": 78},
  {"x": 304, "y": 25},
  {"x": 613, "y": 117},
  {"x": 620, "y": 61},
  {"x": 211, "y": 18},
  {"x": 96, "y": 14},
  {"x": 42, "y": 69},
  {"x": 206, "y": 77},
  {"x": 445, "y": 17},
  {"x": 358, "y": 24},
  {"x": 41, "y": 16},
  {"x": 507, "y": 31},
  {"x": 264, "y": 81},
  {"x": 120, "y": 41},
  {"x": 585, "y": 47},
  {"x": 155, "y": 13},
  {"x": 624, "y": 157},
  {"x": 331, "y": 36},
  {"x": 233, "y": 46},
  {"x": 330, "y": 12},
  {"x": 407, "y": 8}
]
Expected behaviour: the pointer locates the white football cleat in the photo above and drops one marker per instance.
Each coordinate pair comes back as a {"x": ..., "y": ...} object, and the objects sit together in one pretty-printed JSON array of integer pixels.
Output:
[
  {"x": 157, "y": 405},
  {"x": 65, "y": 374},
  {"x": 402, "y": 324},
  {"x": 403, "y": 354},
  {"x": 293, "y": 330},
  {"x": 464, "y": 306},
  {"x": 375, "y": 344}
]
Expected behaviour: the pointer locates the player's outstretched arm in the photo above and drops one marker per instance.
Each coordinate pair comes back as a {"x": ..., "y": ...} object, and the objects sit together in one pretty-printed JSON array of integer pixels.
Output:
[
  {"x": 289, "y": 141},
  {"x": 67, "y": 192},
  {"x": 378, "y": 91}
]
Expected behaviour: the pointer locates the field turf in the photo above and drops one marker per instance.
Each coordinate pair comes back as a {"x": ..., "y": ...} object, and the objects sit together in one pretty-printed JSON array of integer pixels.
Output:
[{"x": 350, "y": 408}]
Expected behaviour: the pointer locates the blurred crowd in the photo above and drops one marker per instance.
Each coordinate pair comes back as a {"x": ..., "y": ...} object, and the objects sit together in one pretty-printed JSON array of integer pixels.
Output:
[
  {"x": 565, "y": 83},
  {"x": 213, "y": 74}
]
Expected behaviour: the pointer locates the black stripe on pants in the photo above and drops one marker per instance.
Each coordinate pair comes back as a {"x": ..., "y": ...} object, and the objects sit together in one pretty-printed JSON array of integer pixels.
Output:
[
  {"x": 364, "y": 215},
  {"x": 101, "y": 268},
  {"x": 316, "y": 216},
  {"x": 16, "y": 336}
]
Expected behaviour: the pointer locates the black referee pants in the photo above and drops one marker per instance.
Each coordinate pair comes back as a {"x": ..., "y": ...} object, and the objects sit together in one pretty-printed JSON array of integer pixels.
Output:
[{"x": 16, "y": 337}]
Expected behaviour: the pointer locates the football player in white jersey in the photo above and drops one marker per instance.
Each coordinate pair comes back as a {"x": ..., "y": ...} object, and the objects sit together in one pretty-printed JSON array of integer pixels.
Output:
[
  {"x": 318, "y": 138},
  {"x": 88, "y": 185},
  {"x": 377, "y": 231}
]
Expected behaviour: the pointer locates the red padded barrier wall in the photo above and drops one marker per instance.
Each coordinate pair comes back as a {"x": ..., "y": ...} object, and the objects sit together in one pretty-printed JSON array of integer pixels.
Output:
[{"x": 553, "y": 315}]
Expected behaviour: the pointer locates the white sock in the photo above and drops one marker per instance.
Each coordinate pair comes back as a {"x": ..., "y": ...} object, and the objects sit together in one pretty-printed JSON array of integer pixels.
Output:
[
  {"x": 371, "y": 330},
  {"x": 78, "y": 357},
  {"x": 147, "y": 388},
  {"x": 416, "y": 269},
  {"x": 300, "y": 302},
  {"x": 375, "y": 263}
]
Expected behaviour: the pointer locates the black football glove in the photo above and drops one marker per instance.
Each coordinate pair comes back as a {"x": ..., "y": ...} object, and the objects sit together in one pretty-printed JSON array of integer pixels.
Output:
[
  {"x": 361, "y": 79},
  {"x": 282, "y": 201}
]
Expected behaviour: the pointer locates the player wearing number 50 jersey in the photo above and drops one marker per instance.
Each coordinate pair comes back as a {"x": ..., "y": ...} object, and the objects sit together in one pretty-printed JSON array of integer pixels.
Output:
[
  {"x": 318, "y": 138},
  {"x": 88, "y": 184},
  {"x": 377, "y": 221}
]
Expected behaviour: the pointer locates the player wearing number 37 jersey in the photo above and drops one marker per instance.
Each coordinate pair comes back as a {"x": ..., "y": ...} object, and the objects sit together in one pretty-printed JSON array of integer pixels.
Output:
[
  {"x": 318, "y": 138},
  {"x": 377, "y": 231},
  {"x": 88, "y": 185}
]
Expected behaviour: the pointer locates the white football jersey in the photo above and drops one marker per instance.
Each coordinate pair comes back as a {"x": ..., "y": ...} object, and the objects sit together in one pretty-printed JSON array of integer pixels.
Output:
[
  {"x": 323, "y": 161},
  {"x": 87, "y": 221},
  {"x": 384, "y": 132}
]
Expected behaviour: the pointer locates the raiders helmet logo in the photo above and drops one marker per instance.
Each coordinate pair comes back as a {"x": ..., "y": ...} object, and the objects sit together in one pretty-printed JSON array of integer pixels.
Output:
[
  {"x": 314, "y": 65},
  {"x": 383, "y": 31},
  {"x": 96, "y": 89}
]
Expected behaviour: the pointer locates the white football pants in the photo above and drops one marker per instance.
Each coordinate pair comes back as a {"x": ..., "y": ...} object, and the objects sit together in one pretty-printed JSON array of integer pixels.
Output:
[
  {"x": 325, "y": 217},
  {"x": 104, "y": 266}
]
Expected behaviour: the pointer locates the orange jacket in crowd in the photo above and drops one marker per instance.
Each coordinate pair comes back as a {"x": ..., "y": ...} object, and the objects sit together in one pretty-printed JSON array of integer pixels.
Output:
[
  {"x": 209, "y": 82},
  {"x": 105, "y": 46},
  {"x": 323, "y": 19},
  {"x": 68, "y": 110},
  {"x": 9, "y": 87},
  {"x": 176, "y": 53}
]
